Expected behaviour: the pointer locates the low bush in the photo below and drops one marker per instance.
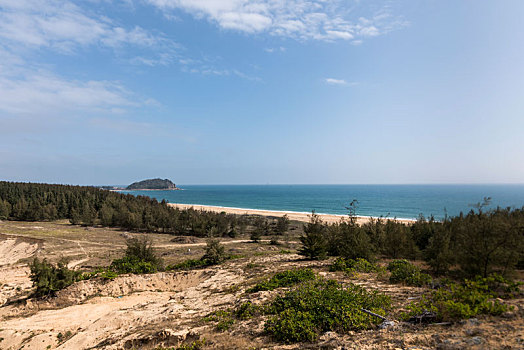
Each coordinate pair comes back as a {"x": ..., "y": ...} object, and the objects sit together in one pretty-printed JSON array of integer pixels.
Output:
[
  {"x": 194, "y": 345},
  {"x": 188, "y": 264},
  {"x": 49, "y": 278},
  {"x": 462, "y": 301},
  {"x": 402, "y": 271},
  {"x": 323, "y": 305},
  {"x": 139, "y": 258},
  {"x": 130, "y": 264},
  {"x": 248, "y": 310},
  {"x": 223, "y": 319},
  {"x": 284, "y": 279},
  {"x": 353, "y": 265},
  {"x": 215, "y": 252}
]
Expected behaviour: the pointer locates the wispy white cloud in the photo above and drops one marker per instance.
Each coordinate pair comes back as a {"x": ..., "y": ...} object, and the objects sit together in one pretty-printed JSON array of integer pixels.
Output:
[
  {"x": 212, "y": 71},
  {"x": 38, "y": 92},
  {"x": 327, "y": 20},
  {"x": 340, "y": 82},
  {"x": 332, "y": 81},
  {"x": 64, "y": 26},
  {"x": 275, "y": 49}
]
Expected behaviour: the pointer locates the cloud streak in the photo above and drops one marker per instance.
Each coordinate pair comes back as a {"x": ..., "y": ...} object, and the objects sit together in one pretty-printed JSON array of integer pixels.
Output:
[
  {"x": 331, "y": 81},
  {"x": 42, "y": 91},
  {"x": 327, "y": 20},
  {"x": 63, "y": 26}
]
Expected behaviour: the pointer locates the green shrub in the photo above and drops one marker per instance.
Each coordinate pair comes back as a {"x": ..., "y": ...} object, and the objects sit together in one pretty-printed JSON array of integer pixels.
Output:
[
  {"x": 323, "y": 305},
  {"x": 194, "y": 345},
  {"x": 223, "y": 319},
  {"x": 339, "y": 264},
  {"x": 188, "y": 264},
  {"x": 354, "y": 242},
  {"x": 314, "y": 242},
  {"x": 215, "y": 252},
  {"x": 108, "y": 274},
  {"x": 357, "y": 265},
  {"x": 49, "y": 278},
  {"x": 402, "y": 271},
  {"x": 499, "y": 286},
  {"x": 139, "y": 258},
  {"x": 462, "y": 301},
  {"x": 248, "y": 310},
  {"x": 284, "y": 279},
  {"x": 130, "y": 264},
  {"x": 293, "y": 326}
]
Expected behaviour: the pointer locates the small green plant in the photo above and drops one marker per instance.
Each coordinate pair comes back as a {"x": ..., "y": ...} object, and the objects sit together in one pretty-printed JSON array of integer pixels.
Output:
[
  {"x": 61, "y": 338},
  {"x": 215, "y": 252},
  {"x": 462, "y": 301},
  {"x": 194, "y": 345},
  {"x": 284, "y": 279},
  {"x": 323, "y": 305},
  {"x": 223, "y": 319},
  {"x": 402, "y": 271},
  {"x": 248, "y": 310},
  {"x": 108, "y": 274}
]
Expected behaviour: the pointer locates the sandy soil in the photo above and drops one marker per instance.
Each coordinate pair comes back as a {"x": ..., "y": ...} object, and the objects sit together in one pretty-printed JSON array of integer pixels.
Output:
[
  {"x": 167, "y": 308},
  {"x": 296, "y": 216}
]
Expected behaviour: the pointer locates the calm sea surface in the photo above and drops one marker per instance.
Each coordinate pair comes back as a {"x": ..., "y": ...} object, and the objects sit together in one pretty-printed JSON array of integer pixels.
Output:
[{"x": 401, "y": 201}]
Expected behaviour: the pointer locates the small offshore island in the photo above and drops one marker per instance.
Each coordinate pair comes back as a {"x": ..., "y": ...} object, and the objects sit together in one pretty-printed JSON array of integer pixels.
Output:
[
  {"x": 153, "y": 185},
  {"x": 145, "y": 185}
]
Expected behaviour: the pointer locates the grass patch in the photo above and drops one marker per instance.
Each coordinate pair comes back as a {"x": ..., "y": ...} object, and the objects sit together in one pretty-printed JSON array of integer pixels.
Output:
[
  {"x": 284, "y": 279},
  {"x": 318, "y": 306}
]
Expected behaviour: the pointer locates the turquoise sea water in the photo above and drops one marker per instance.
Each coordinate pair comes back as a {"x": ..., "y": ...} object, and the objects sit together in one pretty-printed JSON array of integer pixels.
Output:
[{"x": 401, "y": 201}]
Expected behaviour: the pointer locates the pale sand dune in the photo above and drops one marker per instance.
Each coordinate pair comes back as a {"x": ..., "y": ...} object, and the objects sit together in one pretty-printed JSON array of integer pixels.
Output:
[{"x": 328, "y": 218}]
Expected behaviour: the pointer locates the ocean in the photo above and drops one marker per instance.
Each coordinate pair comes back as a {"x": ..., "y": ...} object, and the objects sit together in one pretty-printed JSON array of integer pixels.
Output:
[{"x": 400, "y": 201}]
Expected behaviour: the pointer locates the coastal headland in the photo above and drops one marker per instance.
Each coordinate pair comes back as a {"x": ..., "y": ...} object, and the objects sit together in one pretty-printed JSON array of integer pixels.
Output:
[{"x": 296, "y": 216}]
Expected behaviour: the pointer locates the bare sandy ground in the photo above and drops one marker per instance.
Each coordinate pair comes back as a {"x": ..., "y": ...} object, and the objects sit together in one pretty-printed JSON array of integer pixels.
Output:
[
  {"x": 166, "y": 308},
  {"x": 297, "y": 216}
]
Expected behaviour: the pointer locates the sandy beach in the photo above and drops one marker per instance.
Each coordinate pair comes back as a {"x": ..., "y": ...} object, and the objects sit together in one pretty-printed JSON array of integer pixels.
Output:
[{"x": 328, "y": 218}]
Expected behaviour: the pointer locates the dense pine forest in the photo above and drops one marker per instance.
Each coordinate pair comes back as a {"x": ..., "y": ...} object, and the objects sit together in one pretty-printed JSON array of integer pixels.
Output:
[
  {"x": 90, "y": 206},
  {"x": 478, "y": 243}
]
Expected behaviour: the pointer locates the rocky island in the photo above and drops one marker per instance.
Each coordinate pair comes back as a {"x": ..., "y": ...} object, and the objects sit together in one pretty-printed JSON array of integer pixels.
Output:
[{"x": 153, "y": 184}]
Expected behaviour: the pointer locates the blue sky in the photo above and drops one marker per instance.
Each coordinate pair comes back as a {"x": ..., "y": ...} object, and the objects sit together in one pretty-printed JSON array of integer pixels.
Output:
[{"x": 262, "y": 91}]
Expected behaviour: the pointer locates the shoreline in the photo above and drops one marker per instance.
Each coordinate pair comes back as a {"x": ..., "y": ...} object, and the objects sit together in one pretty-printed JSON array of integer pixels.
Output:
[{"x": 293, "y": 215}]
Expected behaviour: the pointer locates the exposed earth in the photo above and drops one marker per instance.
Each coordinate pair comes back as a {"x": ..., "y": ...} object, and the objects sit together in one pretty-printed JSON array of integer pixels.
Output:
[{"x": 167, "y": 308}]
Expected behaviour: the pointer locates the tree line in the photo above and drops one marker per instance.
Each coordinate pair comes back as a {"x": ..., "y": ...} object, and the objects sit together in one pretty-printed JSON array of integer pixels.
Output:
[
  {"x": 89, "y": 206},
  {"x": 476, "y": 243}
]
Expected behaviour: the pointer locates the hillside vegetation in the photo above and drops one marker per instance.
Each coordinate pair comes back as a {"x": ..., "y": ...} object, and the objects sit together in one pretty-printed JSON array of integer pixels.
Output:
[{"x": 152, "y": 184}]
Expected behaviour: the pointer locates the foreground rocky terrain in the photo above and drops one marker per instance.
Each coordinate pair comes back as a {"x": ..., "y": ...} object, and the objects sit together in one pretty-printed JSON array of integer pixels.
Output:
[{"x": 168, "y": 309}]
